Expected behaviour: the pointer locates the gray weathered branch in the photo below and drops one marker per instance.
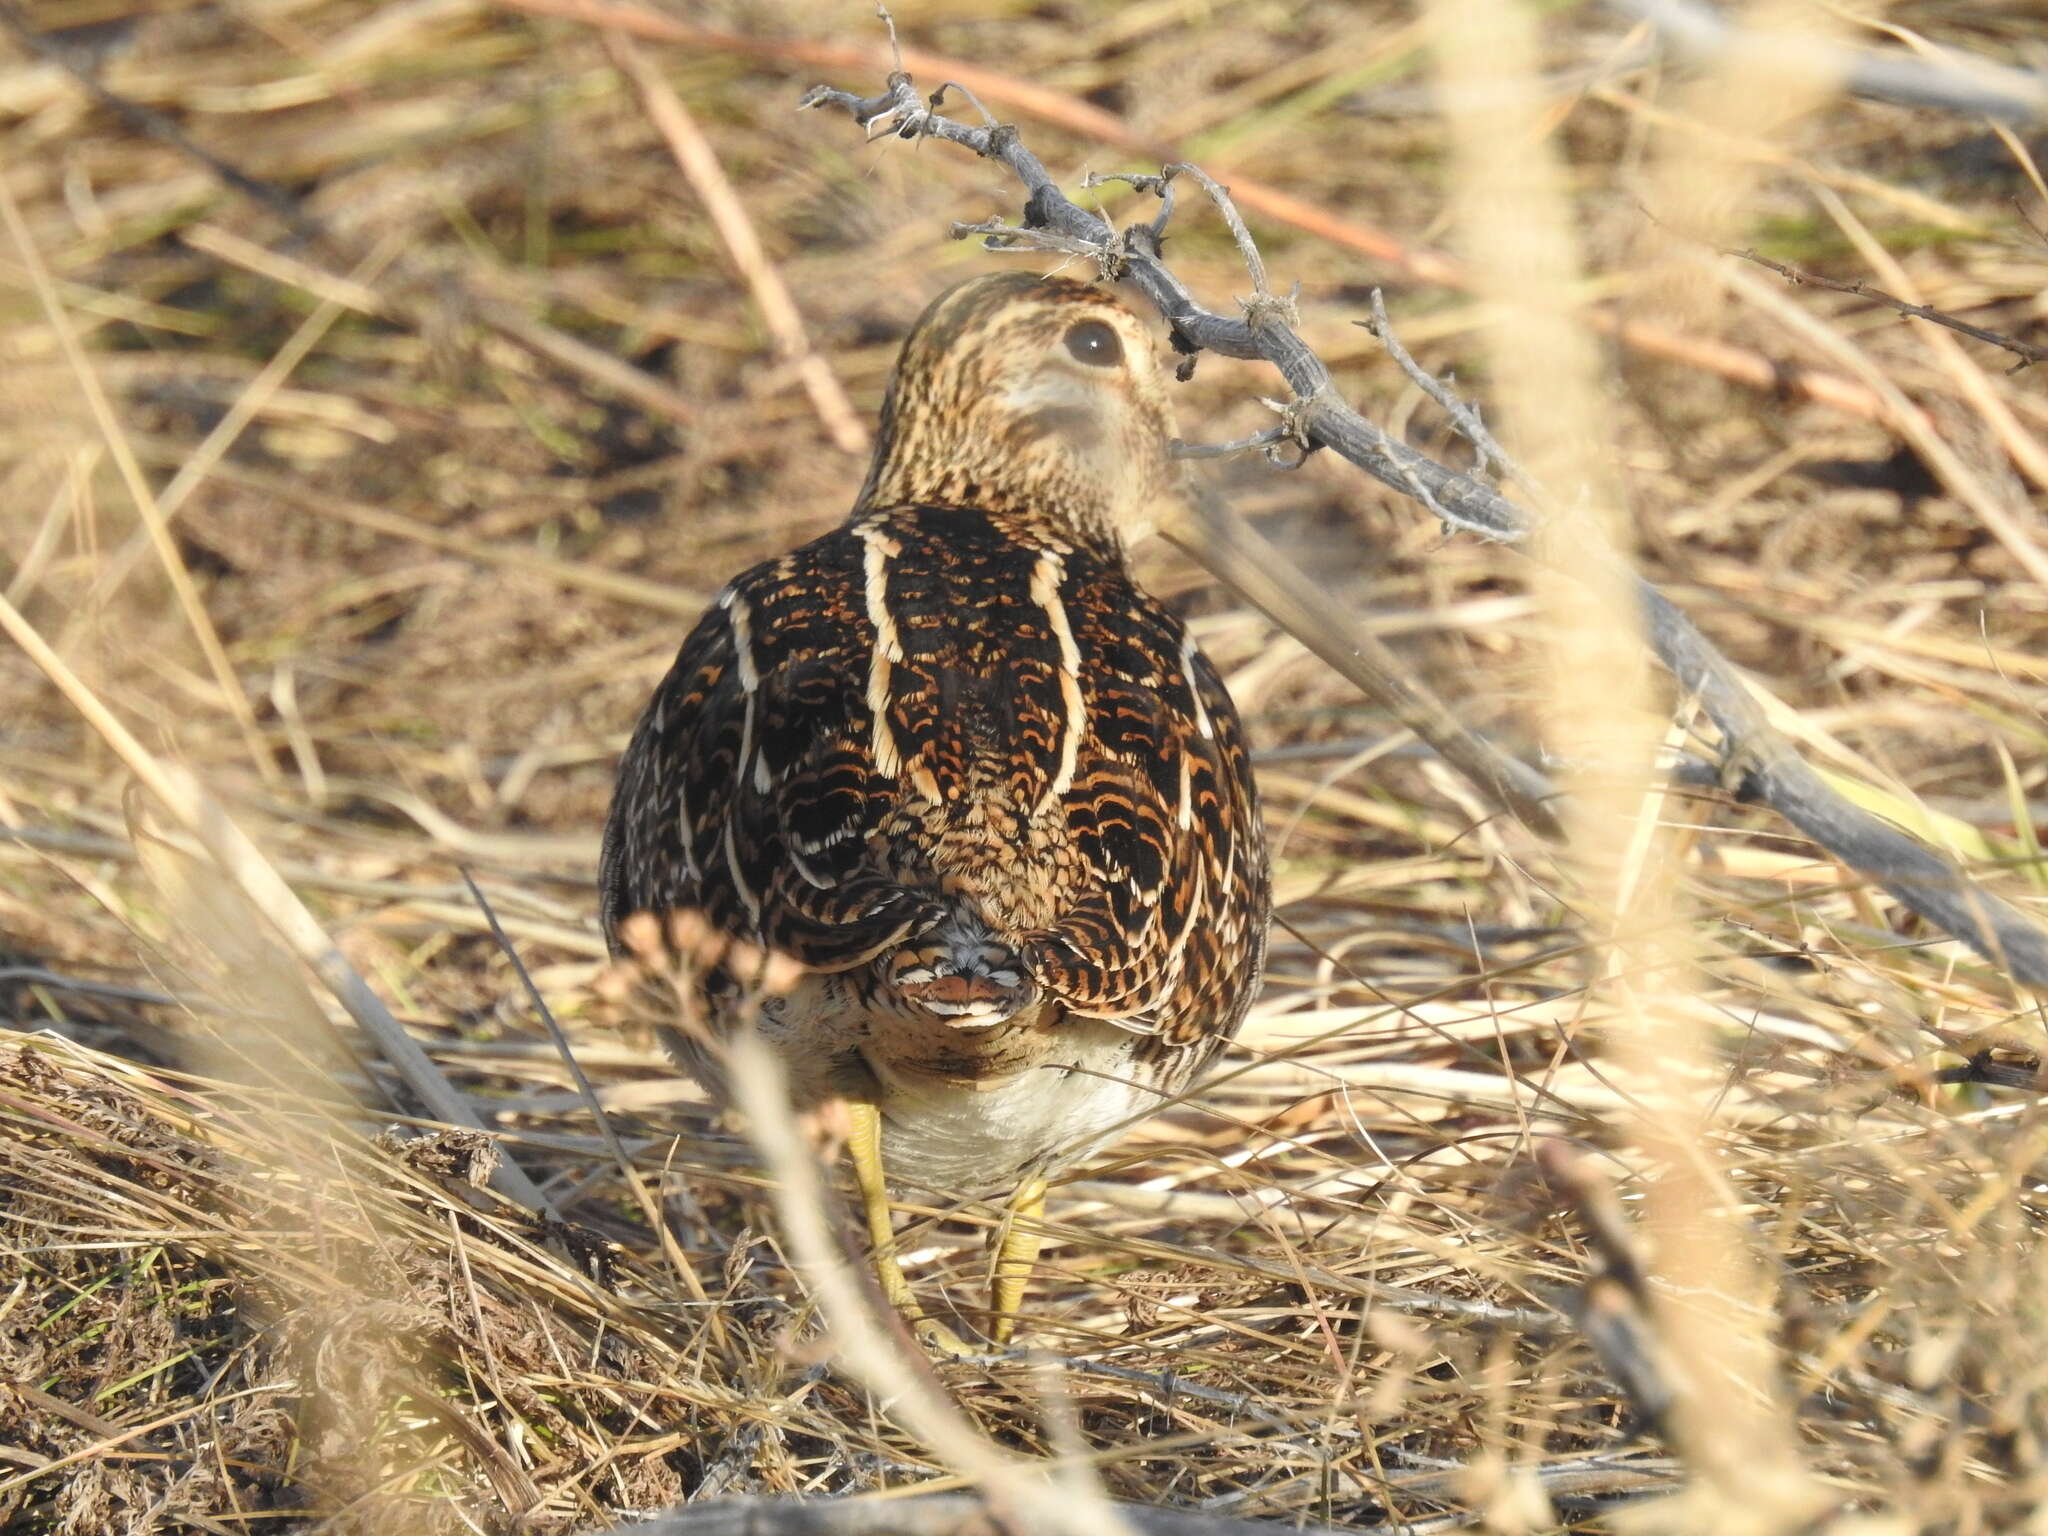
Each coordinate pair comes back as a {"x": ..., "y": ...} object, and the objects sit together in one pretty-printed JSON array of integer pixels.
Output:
[{"x": 1759, "y": 761}]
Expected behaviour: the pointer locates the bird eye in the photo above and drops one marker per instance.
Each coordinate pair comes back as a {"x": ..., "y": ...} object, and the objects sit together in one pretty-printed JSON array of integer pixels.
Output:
[{"x": 1094, "y": 343}]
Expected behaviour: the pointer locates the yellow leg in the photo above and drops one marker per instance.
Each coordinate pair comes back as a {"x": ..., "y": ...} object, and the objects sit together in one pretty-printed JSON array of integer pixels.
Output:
[
  {"x": 864, "y": 1146},
  {"x": 1017, "y": 1246}
]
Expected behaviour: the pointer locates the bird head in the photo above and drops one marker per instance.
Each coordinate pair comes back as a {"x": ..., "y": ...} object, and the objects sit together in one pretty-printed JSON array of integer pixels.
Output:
[{"x": 1031, "y": 395}]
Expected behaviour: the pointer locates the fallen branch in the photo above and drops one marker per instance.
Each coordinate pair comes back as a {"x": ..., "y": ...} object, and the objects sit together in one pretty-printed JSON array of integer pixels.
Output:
[
  {"x": 1758, "y": 762},
  {"x": 1594, "y": 1481},
  {"x": 955, "y": 1514}
]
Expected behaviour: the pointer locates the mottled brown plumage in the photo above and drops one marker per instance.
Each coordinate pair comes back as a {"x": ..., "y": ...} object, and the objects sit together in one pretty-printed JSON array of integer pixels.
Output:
[{"x": 954, "y": 762}]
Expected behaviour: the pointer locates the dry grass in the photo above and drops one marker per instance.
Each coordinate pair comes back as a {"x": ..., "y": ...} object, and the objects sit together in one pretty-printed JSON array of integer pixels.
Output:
[{"x": 427, "y": 547}]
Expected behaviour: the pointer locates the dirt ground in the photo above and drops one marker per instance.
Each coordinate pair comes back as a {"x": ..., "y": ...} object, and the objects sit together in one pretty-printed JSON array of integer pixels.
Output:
[{"x": 456, "y": 408}]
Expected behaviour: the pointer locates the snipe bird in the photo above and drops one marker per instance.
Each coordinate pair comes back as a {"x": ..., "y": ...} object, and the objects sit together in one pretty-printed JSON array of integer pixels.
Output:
[{"x": 981, "y": 788}]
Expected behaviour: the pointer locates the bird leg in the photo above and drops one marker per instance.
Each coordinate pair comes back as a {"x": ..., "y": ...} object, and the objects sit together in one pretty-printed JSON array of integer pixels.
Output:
[
  {"x": 1017, "y": 1244},
  {"x": 864, "y": 1146}
]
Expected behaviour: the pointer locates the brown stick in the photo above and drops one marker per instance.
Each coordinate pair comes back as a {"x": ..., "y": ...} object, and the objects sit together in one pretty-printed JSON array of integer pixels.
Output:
[
  {"x": 699, "y": 162},
  {"x": 2025, "y": 351}
]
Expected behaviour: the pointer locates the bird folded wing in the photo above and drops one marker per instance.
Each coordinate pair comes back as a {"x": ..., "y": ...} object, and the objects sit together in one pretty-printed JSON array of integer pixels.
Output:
[
  {"x": 1162, "y": 815},
  {"x": 747, "y": 793}
]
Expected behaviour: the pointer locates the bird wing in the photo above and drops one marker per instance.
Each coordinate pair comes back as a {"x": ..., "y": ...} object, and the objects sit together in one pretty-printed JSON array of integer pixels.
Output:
[
  {"x": 748, "y": 790},
  {"x": 1166, "y": 929}
]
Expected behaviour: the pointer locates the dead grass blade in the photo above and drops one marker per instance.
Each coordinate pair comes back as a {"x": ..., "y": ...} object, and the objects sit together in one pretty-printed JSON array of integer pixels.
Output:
[
  {"x": 240, "y": 861},
  {"x": 699, "y": 163}
]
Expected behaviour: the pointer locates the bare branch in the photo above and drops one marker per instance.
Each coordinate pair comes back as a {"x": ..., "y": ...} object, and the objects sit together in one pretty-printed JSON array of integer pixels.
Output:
[
  {"x": 1740, "y": 365},
  {"x": 2027, "y": 353},
  {"x": 1463, "y": 413},
  {"x": 1133, "y": 256},
  {"x": 1760, "y": 761},
  {"x": 1220, "y": 195},
  {"x": 1590, "y": 1479},
  {"x": 1269, "y": 439},
  {"x": 950, "y": 1514}
]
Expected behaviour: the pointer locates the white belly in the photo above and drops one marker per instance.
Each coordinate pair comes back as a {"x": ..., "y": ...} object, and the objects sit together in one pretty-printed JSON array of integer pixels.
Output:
[
  {"x": 1079, "y": 1087},
  {"x": 971, "y": 1138}
]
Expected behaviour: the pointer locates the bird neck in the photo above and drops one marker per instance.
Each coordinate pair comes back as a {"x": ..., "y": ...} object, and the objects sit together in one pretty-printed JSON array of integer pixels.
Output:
[
  {"x": 1034, "y": 490},
  {"x": 1045, "y": 519}
]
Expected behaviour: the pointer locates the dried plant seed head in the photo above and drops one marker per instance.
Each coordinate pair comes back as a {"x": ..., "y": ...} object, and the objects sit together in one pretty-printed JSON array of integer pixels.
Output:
[{"x": 1016, "y": 393}]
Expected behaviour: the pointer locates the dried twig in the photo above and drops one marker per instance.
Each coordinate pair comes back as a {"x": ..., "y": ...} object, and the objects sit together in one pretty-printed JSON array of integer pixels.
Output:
[
  {"x": 2027, "y": 353},
  {"x": 2002, "y": 513},
  {"x": 955, "y": 1514},
  {"x": 1464, "y": 415},
  {"x": 1740, "y": 365},
  {"x": 1758, "y": 760}
]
